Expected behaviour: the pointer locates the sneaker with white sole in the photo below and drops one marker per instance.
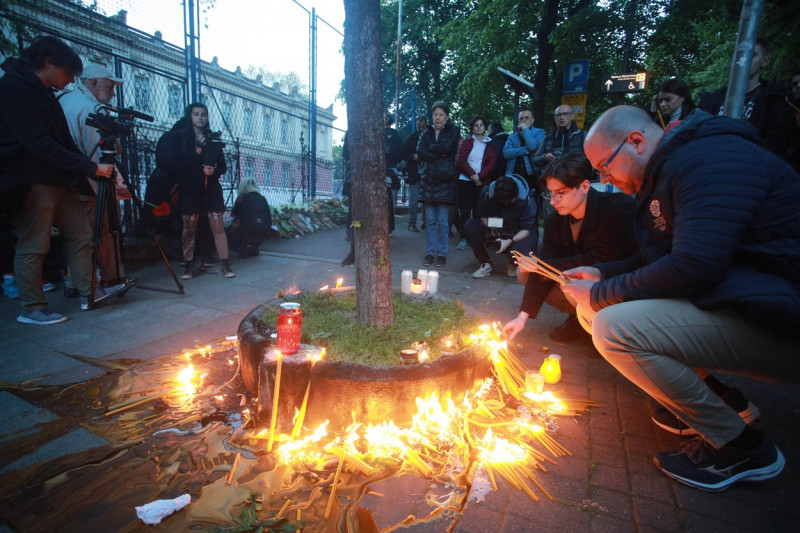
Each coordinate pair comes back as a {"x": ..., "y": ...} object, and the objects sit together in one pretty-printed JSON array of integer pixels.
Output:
[
  {"x": 41, "y": 317},
  {"x": 701, "y": 466},
  {"x": 733, "y": 397},
  {"x": 101, "y": 294},
  {"x": 226, "y": 269},
  {"x": 484, "y": 270}
]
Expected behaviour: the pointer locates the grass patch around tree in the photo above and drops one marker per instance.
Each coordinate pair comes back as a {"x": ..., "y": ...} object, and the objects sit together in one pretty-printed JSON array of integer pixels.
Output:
[{"x": 330, "y": 321}]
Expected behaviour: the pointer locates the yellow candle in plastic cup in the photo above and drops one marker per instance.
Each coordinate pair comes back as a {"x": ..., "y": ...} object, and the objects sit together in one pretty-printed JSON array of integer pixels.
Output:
[{"x": 551, "y": 369}]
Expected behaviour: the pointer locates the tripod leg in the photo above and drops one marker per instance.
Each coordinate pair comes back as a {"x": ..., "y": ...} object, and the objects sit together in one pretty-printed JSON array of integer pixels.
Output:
[{"x": 99, "y": 210}]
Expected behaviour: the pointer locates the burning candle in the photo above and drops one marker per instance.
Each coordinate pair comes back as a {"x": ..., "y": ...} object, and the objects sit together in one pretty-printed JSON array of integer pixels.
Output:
[
  {"x": 405, "y": 281},
  {"x": 433, "y": 282},
  {"x": 422, "y": 276},
  {"x": 409, "y": 356},
  {"x": 290, "y": 325},
  {"x": 275, "y": 391},
  {"x": 416, "y": 286},
  {"x": 551, "y": 369}
]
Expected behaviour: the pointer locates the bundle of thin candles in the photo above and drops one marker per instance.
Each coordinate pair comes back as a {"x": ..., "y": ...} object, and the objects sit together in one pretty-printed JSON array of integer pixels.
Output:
[{"x": 534, "y": 264}]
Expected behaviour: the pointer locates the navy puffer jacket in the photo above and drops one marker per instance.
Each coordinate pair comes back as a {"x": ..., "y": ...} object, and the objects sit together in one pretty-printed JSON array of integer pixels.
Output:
[{"x": 716, "y": 222}]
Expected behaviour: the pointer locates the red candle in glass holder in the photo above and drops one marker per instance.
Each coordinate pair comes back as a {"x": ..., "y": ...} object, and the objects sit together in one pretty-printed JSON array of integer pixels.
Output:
[{"x": 290, "y": 324}]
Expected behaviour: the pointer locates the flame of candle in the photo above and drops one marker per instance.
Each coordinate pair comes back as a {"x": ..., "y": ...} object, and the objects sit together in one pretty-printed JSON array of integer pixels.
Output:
[
  {"x": 324, "y": 288},
  {"x": 339, "y": 282}
]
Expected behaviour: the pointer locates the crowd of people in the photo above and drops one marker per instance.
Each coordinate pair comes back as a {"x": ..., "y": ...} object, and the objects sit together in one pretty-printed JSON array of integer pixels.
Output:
[
  {"x": 693, "y": 266},
  {"x": 61, "y": 184}
]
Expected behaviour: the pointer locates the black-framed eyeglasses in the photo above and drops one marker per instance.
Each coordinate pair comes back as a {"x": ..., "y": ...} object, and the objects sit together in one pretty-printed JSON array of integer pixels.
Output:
[
  {"x": 559, "y": 115},
  {"x": 601, "y": 170},
  {"x": 555, "y": 196},
  {"x": 796, "y": 84}
]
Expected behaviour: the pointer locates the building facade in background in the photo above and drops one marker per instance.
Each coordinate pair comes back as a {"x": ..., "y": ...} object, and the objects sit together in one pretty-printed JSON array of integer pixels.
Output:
[{"x": 266, "y": 131}]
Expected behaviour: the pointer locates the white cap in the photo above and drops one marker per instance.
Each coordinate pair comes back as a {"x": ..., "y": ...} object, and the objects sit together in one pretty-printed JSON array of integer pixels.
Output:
[{"x": 93, "y": 71}]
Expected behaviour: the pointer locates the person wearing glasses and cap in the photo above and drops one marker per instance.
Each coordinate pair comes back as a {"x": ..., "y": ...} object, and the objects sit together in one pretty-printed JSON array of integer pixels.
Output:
[
  {"x": 565, "y": 139},
  {"x": 96, "y": 88},
  {"x": 715, "y": 283},
  {"x": 587, "y": 227}
]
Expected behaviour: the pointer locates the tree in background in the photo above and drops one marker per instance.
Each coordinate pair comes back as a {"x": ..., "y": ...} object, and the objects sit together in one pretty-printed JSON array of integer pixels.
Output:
[
  {"x": 467, "y": 41},
  {"x": 365, "y": 138}
]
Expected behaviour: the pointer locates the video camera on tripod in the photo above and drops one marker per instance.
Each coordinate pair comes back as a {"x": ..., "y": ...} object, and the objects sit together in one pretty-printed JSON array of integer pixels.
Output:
[
  {"x": 212, "y": 146},
  {"x": 111, "y": 128}
]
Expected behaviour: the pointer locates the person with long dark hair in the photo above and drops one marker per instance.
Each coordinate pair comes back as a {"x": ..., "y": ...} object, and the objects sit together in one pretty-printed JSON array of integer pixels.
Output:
[
  {"x": 189, "y": 153},
  {"x": 673, "y": 102}
]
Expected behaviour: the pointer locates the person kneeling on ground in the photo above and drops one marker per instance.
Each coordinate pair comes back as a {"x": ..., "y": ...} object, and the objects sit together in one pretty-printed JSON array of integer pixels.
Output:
[
  {"x": 716, "y": 282},
  {"x": 506, "y": 218},
  {"x": 588, "y": 227},
  {"x": 252, "y": 220}
]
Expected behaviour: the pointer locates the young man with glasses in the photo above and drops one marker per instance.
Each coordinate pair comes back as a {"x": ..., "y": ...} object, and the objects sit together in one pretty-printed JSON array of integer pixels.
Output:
[
  {"x": 587, "y": 227},
  {"x": 715, "y": 283},
  {"x": 565, "y": 139}
]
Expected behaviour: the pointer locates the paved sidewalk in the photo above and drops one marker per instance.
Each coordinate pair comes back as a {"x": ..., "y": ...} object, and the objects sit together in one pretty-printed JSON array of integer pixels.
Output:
[{"x": 608, "y": 484}]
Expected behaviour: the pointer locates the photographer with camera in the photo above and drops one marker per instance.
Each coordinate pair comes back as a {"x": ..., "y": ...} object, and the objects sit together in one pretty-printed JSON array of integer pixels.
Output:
[
  {"x": 95, "y": 90},
  {"x": 192, "y": 154},
  {"x": 506, "y": 221},
  {"x": 39, "y": 166}
]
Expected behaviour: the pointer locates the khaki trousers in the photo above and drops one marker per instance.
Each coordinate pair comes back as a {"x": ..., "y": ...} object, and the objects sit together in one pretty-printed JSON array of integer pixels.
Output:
[{"x": 657, "y": 343}]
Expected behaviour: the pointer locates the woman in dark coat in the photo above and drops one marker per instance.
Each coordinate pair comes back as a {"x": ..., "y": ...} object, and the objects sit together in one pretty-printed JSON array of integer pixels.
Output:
[
  {"x": 252, "y": 220},
  {"x": 196, "y": 162},
  {"x": 438, "y": 189}
]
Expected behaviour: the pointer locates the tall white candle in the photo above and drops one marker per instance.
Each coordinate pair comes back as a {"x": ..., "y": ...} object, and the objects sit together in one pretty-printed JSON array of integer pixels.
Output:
[
  {"x": 422, "y": 275},
  {"x": 405, "y": 281},
  {"x": 433, "y": 282}
]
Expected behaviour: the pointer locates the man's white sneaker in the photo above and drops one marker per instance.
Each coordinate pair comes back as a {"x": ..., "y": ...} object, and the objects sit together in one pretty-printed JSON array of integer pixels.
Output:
[{"x": 484, "y": 270}]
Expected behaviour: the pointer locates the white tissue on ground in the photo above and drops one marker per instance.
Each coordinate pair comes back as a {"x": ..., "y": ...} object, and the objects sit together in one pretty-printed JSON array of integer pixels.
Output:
[{"x": 155, "y": 512}]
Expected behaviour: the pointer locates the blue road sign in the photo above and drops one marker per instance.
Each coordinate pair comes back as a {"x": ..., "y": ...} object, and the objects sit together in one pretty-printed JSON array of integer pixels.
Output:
[{"x": 576, "y": 76}]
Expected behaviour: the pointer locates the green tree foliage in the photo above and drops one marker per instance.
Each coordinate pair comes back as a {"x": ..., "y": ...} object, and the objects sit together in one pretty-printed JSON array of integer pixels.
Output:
[{"x": 465, "y": 41}]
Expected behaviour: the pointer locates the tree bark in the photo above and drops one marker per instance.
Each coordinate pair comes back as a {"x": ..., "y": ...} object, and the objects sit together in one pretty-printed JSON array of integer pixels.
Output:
[
  {"x": 365, "y": 137},
  {"x": 545, "y": 58}
]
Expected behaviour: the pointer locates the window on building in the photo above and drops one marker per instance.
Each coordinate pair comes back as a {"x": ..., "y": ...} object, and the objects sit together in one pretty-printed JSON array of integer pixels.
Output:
[
  {"x": 268, "y": 173},
  {"x": 285, "y": 169},
  {"x": 142, "y": 93},
  {"x": 248, "y": 121},
  {"x": 175, "y": 100},
  {"x": 249, "y": 168},
  {"x": 284, "y": 131},
  {"x": 227, "y": 112},
  {"x": 267, "y": 126}
]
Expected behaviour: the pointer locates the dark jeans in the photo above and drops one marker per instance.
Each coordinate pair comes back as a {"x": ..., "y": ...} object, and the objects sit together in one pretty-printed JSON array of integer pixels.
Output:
[
  {"x": 467, "y": 203},
  {"x": 475, "y": 232}
]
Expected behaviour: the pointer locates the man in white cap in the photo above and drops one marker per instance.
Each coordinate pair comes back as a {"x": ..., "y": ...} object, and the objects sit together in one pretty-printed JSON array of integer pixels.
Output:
[{"x": 95, "y": 89}]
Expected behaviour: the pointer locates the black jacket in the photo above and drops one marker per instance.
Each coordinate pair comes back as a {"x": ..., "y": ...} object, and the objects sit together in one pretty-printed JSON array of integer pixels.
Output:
[
  {"x": 35, "y": 143},
  {"x": 412, "y": 166},
  {"x": 716, "y": 222},
  {"x": 252, "y": 219},
  {"x": 393, "y": 147},
  {"x": 559, "y": 142},
  {"x": 176, "y": 155},
  {"x": 606, "y": 235},
  {"x": 769, "y": 113},
  {"x": 429, "y": 150}
]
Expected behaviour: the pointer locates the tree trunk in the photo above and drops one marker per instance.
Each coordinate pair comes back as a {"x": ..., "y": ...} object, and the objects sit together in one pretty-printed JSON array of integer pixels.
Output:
[
  {"x": 365, "y": 137},
  {"x": 545, "y": 59}
]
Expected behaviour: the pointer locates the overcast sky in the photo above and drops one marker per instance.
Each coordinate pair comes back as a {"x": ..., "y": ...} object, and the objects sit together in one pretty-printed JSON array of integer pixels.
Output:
[{"x": 272, "y": 34}]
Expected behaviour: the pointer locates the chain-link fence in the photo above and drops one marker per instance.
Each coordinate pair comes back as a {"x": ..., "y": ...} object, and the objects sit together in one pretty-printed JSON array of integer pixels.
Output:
[{"x": 264, "y": 116}]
